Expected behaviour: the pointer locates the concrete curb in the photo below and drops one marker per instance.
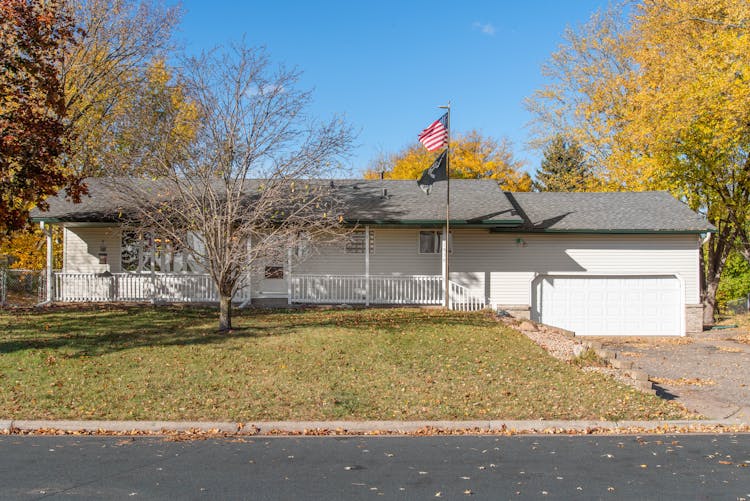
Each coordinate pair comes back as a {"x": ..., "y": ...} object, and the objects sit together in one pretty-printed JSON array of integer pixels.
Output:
[{"x": 366, "y": 427}]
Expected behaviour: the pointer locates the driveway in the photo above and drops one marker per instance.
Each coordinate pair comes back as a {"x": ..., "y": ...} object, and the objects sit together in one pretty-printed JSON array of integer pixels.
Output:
[{"x": 709, "y": 374}]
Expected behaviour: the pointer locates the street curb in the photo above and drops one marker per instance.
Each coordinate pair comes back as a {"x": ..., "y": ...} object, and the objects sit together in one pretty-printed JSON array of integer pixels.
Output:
[{"x": 368, "y": 427}]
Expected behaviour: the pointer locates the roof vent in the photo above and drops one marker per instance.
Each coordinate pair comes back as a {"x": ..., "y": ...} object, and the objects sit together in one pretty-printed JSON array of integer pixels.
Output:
[{"x": 385, "y": 193}]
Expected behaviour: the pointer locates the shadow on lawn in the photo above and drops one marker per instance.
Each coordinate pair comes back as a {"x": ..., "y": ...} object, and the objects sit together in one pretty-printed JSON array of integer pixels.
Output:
[{"x": 98, "y": 330}]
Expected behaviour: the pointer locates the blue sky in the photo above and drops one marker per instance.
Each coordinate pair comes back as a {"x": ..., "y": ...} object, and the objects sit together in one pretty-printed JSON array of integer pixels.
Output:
[{"x": 386, "y": 66}]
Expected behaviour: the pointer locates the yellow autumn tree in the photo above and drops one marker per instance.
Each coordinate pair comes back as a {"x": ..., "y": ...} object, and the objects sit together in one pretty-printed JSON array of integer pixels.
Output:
[
  {"x": 473, "y": 156},
  {"x": 26, "y": 249},
  {"x": 687, "y": 123},
  {"x": 658, "y": 95}
]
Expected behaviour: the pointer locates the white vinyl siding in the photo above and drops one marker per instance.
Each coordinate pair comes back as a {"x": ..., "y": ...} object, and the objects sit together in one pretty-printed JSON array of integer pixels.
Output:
[
  {"x": 498, "y": 266},
  {"x": 511, "y": 265},
  {"x": 82, "y": 245},
  {"x": 396, "y": 253},
  {"x": 501, "y": 268}
]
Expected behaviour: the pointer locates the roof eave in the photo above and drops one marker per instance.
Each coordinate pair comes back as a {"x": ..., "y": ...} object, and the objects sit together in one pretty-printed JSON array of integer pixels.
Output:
[{"x": 601, "y": 231}]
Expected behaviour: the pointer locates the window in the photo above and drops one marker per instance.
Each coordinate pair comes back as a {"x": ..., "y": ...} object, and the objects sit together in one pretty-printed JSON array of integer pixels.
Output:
[
  {"x": 144, "y": 252},
  {"x": 355, "y": 244},
  {"x": 274, "y": 272},
  {"x": 429, "y": 242}
]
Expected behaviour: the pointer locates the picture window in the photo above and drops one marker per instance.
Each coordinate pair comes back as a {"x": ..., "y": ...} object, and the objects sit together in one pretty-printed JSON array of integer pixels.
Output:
[{"x": 355, "y": 244}]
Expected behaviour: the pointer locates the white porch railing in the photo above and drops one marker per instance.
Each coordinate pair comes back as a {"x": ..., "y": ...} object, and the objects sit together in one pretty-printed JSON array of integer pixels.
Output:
[
  {"x": 353, "y": 289},
  {"x": 315, "y": 289},
  {"x": 383, "y": 289},
  {"x": 462, "y": 299},
  {"x": 91, "y": 287}
]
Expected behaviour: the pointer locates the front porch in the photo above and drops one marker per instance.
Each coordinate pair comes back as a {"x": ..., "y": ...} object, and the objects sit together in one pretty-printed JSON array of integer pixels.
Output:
[{"x": 301, "y": 289}]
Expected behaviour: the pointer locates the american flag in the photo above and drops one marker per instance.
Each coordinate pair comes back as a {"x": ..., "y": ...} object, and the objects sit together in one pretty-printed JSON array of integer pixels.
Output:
[{"x": 435, "y": 136}]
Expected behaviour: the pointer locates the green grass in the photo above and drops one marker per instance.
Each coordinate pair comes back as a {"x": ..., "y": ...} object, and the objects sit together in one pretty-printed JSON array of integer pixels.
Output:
[{"x": 170, "y": 363}]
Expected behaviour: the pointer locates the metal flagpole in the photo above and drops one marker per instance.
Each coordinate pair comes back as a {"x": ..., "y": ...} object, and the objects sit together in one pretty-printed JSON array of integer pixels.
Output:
[{"x": 447, "y": 206}]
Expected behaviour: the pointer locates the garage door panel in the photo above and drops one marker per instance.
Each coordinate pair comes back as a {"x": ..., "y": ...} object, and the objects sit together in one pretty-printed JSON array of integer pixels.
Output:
[{"x": 611, "y": 305}]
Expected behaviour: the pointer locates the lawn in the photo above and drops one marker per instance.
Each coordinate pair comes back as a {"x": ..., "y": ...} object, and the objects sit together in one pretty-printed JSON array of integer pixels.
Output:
[{"x": 114, "y": 362}]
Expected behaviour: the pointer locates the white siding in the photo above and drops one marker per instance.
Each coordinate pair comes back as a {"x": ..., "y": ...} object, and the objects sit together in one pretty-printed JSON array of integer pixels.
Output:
[
  {"x": 501, "y": 267},
  {"x": 396, "y": 252},
  {"x": 82, "y": 245},
  {"x": 498, "y": 266},
  {"x": 512, "y": 264}
]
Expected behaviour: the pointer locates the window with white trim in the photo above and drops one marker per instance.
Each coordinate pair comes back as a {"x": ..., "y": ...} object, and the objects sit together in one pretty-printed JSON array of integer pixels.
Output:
[
  {"x": 145, "y": 252},
  {"x": 355, "y": 243},
  {"x": 429, "y": 241}
]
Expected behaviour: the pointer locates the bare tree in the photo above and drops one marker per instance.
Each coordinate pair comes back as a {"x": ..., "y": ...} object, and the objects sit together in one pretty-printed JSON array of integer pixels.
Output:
[{"x": 238, "y": 180}]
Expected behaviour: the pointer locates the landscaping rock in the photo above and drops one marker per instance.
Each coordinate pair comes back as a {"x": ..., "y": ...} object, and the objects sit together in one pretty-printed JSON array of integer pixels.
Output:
[
  {"x": 528, "y": 326},
  {"x": 594, "y": 345},
  {"x": 639, "y": 375},
  {"x": 578, "y": 350},
  {"x": 644, "y": 385},
  {"x": 605, "y": 354},
  {"x": 621, "y": 364}
]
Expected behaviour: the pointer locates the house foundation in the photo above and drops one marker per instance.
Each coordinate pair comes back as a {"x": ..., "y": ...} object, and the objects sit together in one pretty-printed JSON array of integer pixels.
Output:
[
  {"x": 522, "y": 311},
  {"x": 693, "y": 319}
]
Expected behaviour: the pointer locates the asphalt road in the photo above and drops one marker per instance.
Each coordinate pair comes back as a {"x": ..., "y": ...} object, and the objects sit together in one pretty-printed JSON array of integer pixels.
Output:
[{"x": 521, "y": 467}]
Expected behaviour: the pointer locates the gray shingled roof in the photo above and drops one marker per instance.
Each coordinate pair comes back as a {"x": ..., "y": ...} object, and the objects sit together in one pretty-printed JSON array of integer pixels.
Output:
[
  {"x": 648, "y": 211},
  {"x": 473, "y": 202}
]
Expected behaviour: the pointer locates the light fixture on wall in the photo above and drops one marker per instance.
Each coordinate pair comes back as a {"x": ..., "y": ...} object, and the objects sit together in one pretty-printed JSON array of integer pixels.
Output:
[{"x": 520, "y": 242}]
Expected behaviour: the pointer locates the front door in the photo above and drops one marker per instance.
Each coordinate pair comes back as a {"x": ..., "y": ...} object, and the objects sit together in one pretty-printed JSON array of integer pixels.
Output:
[{"x": 274, "y": 281}]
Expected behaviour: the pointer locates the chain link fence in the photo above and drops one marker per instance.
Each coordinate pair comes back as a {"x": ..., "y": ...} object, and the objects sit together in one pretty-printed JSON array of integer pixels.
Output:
[
  {"x": 737, "y": 306},
  {"x": 22, "y": 287}
]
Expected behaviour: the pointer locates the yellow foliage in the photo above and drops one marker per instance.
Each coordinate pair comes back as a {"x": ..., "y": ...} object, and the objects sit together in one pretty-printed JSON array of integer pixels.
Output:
[
  {"x": 28, "y": 251},
  {"x": 472, "y": 156},
  {"x": 690, "y": 100}
]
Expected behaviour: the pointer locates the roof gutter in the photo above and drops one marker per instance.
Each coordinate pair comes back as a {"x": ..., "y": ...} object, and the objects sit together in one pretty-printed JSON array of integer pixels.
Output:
[{"x": 605, "y": 232}]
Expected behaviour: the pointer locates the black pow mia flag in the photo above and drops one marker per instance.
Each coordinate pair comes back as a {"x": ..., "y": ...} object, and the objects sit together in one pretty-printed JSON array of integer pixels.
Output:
[{"x": 438, "y": 171}]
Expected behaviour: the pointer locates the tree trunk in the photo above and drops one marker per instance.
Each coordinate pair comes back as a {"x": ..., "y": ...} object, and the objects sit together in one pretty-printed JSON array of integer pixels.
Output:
[
  {"x": 716, "y": 252},
  {"x": 225, "y": 313},
  {"x": 709, "y": 302}
]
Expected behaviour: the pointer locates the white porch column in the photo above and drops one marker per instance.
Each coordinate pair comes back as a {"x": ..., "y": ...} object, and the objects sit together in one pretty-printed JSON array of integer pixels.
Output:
[
  {"x": 444, "y": 262},
  {"x": 153, "y": 268},
  {"x": 367, "y": 265},
  {"x": 48, "y": 234},
  {"x": 289, "y": 275}
]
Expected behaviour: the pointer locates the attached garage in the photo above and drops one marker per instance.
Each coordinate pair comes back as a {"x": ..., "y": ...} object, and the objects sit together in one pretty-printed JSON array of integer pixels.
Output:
[{"x": 610, "y": 305}]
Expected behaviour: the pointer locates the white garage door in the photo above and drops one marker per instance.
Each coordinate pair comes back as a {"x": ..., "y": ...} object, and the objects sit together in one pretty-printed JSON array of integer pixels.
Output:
[{"x": 642, "y": 306}]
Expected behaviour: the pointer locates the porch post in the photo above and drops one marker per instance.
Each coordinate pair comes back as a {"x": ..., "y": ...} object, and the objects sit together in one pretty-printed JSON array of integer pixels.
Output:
[
  {"x": 48, "y": 235},
  {"x": 444, "y": 258},
  {"x": 289, "y": 275},
  {"x": 367, "y": 265},
  {"x": 153, "y": 270}
]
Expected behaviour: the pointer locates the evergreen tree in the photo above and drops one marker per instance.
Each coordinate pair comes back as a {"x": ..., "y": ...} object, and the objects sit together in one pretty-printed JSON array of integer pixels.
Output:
[{"x": 563, "y": 167}]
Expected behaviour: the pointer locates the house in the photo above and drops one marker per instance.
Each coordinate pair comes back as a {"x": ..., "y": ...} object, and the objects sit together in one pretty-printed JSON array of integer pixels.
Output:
[{"x": 594, "y": 263}]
